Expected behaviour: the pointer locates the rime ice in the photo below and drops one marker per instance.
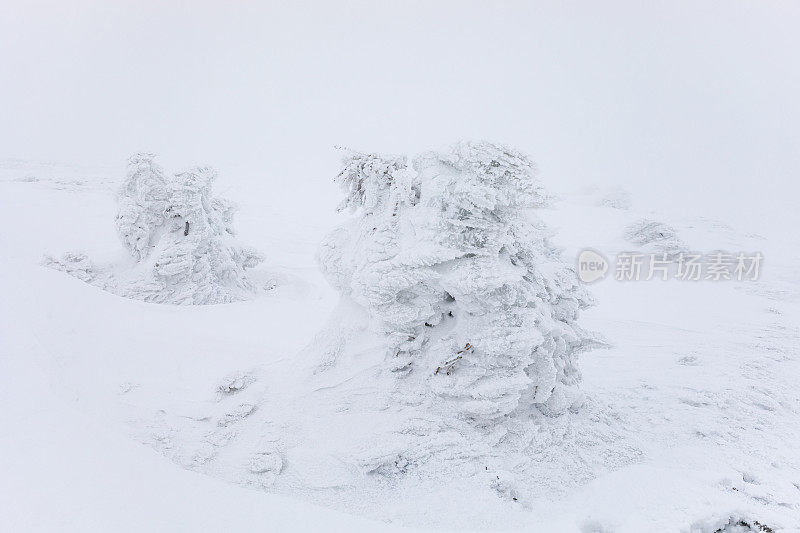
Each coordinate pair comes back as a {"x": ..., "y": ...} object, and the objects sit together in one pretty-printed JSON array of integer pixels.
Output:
[
  {"x": 472, "y": 297},
  {"x": 180, "y": 236}
]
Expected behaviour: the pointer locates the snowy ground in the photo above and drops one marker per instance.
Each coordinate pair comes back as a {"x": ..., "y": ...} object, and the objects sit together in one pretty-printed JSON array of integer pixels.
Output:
[{"x": 113, "y": 408}]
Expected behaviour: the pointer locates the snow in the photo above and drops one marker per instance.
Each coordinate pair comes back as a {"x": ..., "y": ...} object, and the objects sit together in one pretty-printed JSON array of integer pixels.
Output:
[
  {"x": 663, "y": 128},
  {"x": 65, "y": 471},
  {"x": 692, "y": 415}
]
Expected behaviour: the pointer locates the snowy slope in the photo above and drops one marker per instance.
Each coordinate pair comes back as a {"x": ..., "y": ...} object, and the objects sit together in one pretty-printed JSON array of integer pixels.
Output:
[{"x": 693, "y": 415}]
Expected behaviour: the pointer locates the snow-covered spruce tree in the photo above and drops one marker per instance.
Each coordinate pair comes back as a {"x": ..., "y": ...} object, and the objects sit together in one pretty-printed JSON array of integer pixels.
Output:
[
  {"x": 181, "y": 236},
  {"x": 455, "y": 271}
]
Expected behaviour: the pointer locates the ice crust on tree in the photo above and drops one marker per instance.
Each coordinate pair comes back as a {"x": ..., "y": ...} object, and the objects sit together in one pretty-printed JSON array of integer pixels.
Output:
[
  {"x": 180, "y": 237},
  {"x": 445, "y": 254}
]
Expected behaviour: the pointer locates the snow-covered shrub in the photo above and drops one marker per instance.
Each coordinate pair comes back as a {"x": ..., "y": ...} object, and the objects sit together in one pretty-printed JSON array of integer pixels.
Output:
[
  {"x": 655, "y": 237},
  {"x": 76, "y": 264},
  {"x": 180, "y": 237},
  {"x": 616, "y": 199},
  {"x": 734, "y": 523},
  {"x": 454, "y": 269}
]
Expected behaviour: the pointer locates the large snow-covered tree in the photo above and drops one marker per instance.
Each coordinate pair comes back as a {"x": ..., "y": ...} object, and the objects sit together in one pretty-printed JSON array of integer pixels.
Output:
[{"x": 446, "y": 255}]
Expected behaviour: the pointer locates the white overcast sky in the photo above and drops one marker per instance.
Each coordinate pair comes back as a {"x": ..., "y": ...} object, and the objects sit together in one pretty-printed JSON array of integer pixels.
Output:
[{"x": 695, "y": 102}]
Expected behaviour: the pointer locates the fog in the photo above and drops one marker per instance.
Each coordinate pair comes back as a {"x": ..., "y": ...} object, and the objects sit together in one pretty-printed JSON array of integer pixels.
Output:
[{"x": 691, "y": 105}]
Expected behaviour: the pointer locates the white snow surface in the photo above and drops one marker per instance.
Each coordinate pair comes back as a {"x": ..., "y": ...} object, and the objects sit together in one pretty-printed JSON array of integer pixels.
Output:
[{"x": 269, "y": 414}]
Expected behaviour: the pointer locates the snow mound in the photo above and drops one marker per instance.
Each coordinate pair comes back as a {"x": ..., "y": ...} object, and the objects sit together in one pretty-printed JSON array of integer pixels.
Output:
[
  {"x": 616, "y": 199},
  {"x": 181, "y": 239},
  {"x": 655, "y": 237}
]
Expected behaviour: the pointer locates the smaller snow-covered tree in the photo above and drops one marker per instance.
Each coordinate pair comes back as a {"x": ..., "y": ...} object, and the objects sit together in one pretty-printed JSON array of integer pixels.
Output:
[{"x": 182, "y": 237}]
